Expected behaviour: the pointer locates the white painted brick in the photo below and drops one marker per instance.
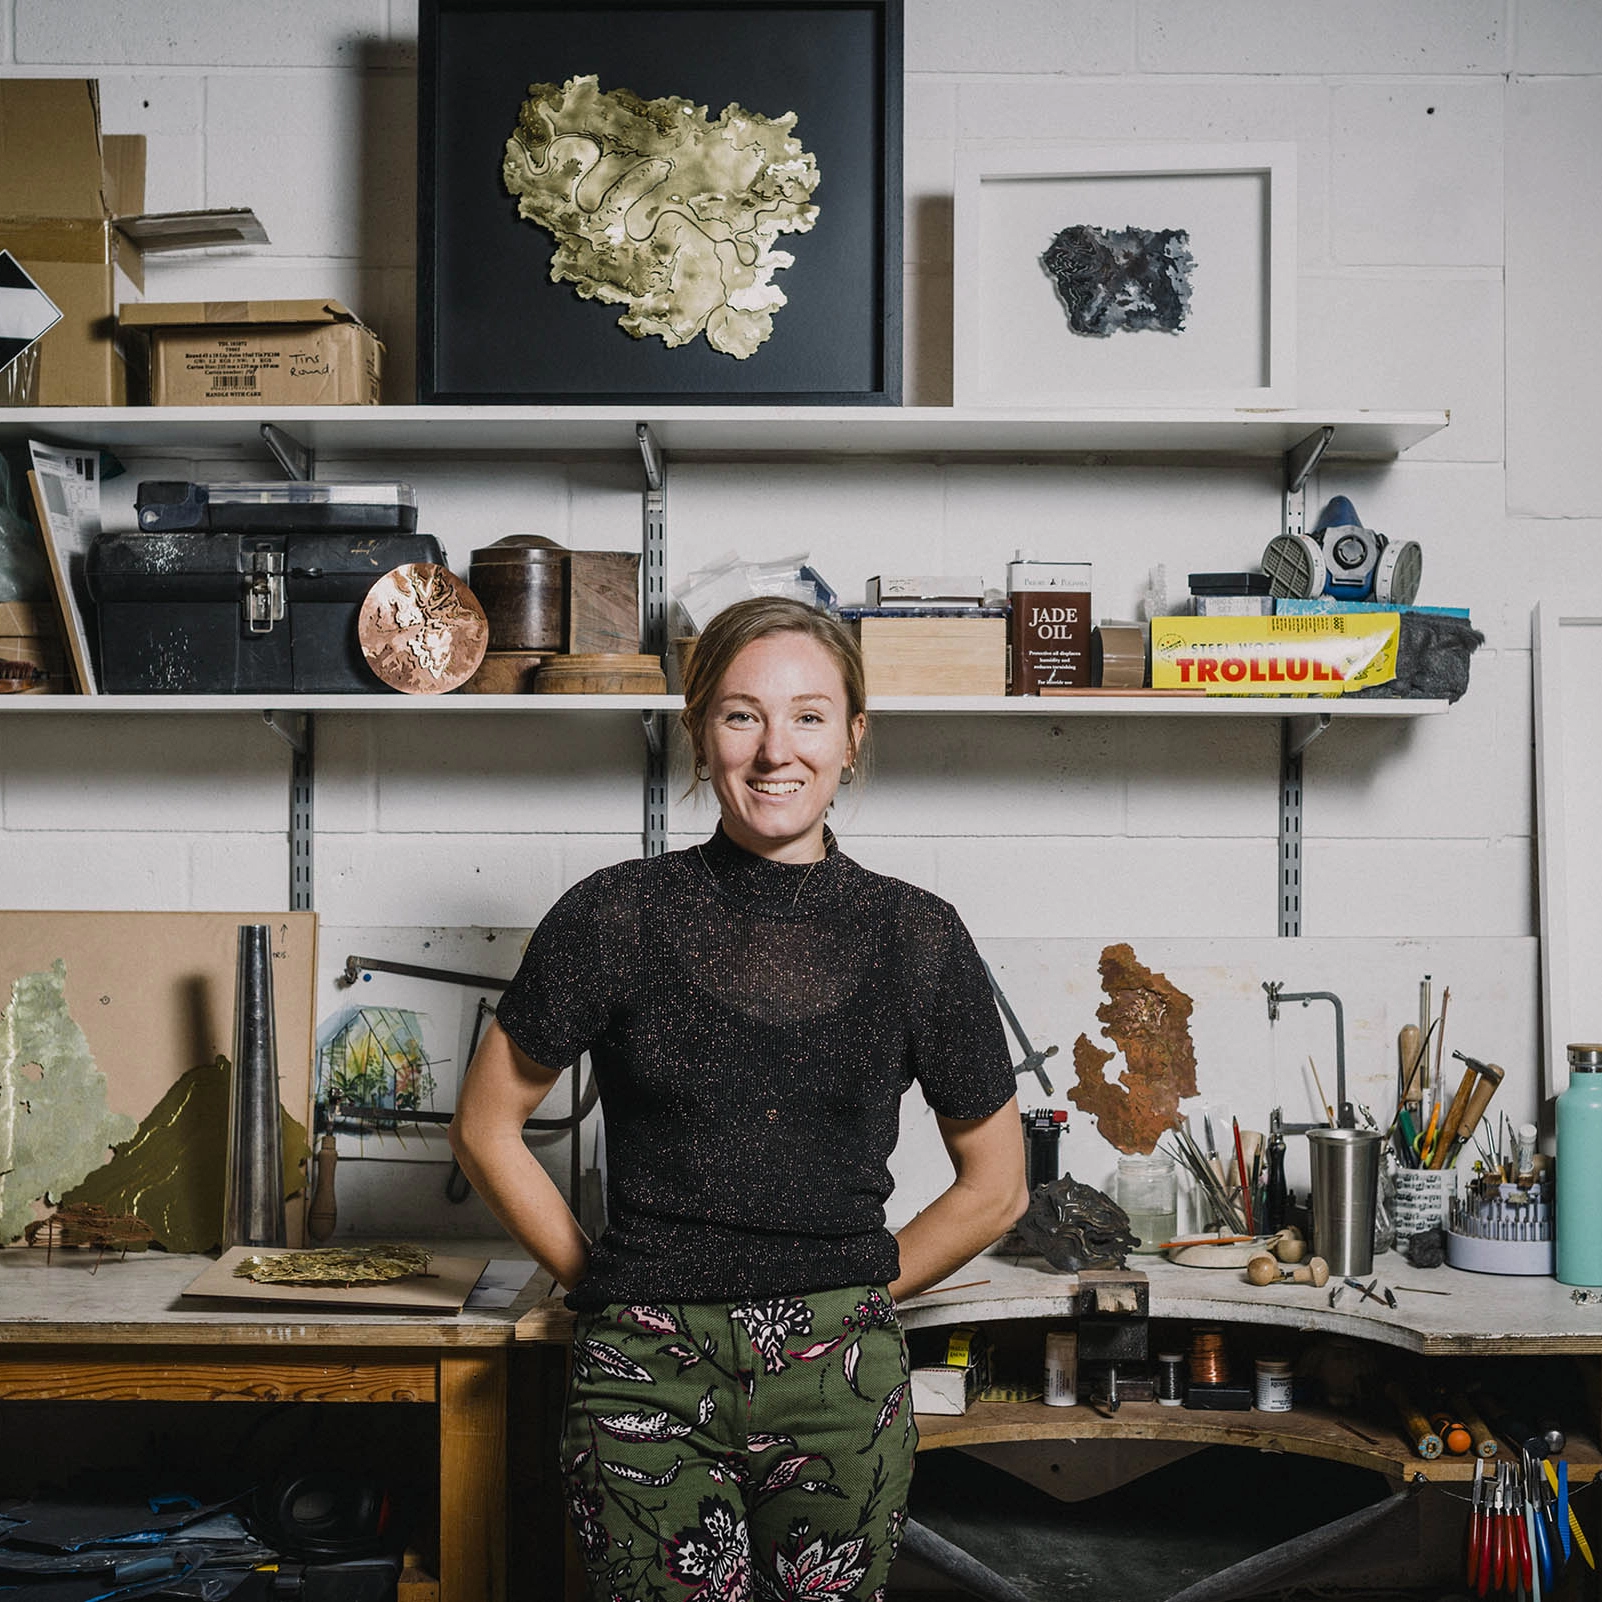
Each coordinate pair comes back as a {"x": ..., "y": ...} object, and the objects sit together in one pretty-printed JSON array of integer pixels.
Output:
[
  {"x": 1119, "y": 889},
  {"x": 853, "y": 519},
  {"x": 1423, "y": 779},
  {"x": 1557, "y": 558},
  {"x": 74, "y": 871},
  {"x": 1554, "y": 172},
  {"x": 1557, "y": 36},
  {"x": 1512, "y": 781},
  {"x": 998, "y": 776},
  {"x": 1133, "y": 110},
  {"x": 299, "y": 141},
  {"x": 1419, "y": 887},
  {"x": 522, "y": 774},
  {"x": 6, "y": 28},
  {"x": 926, "y": 335},
  {"x": 1417, "y": 174},
  {"x": 226, "y": 872},
  {"x": 345, "y": 799},
  {"x": 1240, "y": 37},
  {"x": 1200, "y": 778},
  {"x": 928, "y": 168},
  {"x": 1070, "y": 36},
  {"x": 158, "y": 774},
  {"x": 122, "y": 33},
  {"x": 1388, "y": 340},
  {"x": 495, "y": 879},
  {"x": 1123, "y": 521},
  {"x": 169, "y": 111}
]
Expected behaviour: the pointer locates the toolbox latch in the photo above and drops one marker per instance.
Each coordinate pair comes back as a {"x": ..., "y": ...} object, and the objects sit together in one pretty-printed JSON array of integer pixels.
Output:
[{"x": 263, "y": 603}]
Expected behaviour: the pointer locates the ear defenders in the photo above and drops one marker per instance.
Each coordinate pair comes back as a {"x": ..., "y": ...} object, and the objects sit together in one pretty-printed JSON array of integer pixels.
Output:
[
  {"x": 1344, "y": 559},
  {"x": 326, "y": 1517}
]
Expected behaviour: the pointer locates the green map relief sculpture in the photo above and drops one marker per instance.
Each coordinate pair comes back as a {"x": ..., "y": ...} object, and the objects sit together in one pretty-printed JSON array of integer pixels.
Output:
[
  {"x": 656, "y": 209},
  {"x": 55, "y": 1125},
  {"x": 173, "y": 1172}
]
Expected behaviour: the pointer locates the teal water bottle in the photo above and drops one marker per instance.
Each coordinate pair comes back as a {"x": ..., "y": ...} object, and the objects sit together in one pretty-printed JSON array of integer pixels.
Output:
[{"x": 1579, "y": 1169}]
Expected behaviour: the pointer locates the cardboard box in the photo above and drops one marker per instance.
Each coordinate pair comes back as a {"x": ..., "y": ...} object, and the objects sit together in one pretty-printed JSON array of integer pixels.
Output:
[
  {"x": 1314, "y": 655},
  {"x": 933, "y": 655},
  {"x": 61, "y": 189},
  {"x": 258, "y": 353},
  {"x": 28, "y": 634},
  {"x": 72, "y": 213}
]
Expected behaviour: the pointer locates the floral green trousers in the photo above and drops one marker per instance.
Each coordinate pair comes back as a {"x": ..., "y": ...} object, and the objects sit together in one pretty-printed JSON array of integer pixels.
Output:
[{"x": 740, "y": 1452}]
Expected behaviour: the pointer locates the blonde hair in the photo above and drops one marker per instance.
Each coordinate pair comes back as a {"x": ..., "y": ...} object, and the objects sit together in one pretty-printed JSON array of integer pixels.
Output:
[{"x": 738, "y": 626}]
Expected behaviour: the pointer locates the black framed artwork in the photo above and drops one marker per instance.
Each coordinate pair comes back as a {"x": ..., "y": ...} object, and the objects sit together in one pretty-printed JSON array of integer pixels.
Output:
[{"x": 607, "y": 207}]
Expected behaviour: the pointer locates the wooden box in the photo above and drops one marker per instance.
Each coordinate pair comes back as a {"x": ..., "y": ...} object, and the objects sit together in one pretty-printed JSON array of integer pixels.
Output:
[
  {"x": 934, "y": 655},
  {"x": 603, "y": 602},
  {"x": 28, "y": 633}
]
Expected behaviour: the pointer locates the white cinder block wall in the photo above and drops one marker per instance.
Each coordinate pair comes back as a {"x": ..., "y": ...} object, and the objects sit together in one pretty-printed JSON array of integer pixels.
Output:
[{"x": 1449, "y": 167}]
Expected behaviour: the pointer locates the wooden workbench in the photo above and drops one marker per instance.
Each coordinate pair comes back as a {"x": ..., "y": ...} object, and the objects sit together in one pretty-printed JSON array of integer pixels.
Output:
[
  {"x": 1482, "y": 1315},
  {"x": 81, "y": 1329}
]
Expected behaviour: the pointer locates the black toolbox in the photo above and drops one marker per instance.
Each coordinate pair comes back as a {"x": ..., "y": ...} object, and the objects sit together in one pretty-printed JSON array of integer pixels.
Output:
[{"x": 220, "y": 613}]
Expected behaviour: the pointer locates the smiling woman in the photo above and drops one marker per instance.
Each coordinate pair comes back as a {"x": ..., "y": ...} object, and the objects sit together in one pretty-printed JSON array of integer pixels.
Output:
[
  {"x": 775, "y": 708},
  {"x": 754, "y": 1007}
]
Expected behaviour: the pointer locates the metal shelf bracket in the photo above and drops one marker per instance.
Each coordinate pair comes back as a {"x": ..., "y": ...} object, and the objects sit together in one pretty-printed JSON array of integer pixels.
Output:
[
  {"x": 290, "y": 727},
  {"x": 1302, "y": 730},
  {"x": 298, "y": 461},
  {"x": 1300, "y": 460}
]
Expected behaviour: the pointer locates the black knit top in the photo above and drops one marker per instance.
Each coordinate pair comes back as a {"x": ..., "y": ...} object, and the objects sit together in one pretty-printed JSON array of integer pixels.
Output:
[{"x": 752, "y": 1026}]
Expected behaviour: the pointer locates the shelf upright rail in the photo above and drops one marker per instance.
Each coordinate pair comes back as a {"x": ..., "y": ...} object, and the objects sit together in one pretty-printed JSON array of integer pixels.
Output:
[{"x": 1296, "y": 733}]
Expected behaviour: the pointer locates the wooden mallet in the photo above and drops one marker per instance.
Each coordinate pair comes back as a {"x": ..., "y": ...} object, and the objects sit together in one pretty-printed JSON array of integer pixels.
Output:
[{"x": 1264, "y": 1270}]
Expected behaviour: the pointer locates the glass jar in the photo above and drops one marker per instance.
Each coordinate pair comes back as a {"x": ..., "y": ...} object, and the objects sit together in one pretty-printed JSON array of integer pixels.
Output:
[{"x": 1148, "y": 1190}]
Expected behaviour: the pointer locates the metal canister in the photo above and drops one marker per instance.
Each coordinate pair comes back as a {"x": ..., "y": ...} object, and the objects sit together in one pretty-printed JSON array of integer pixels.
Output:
[
  {"x": 521, "y": 582},
  {"x": 1062, "y": 1368}
]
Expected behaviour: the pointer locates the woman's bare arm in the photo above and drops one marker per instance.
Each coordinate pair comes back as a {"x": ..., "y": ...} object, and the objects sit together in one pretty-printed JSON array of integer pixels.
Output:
[
  {"x": 502, "y": 1088},
  {"x": 983, "y": 1202}
]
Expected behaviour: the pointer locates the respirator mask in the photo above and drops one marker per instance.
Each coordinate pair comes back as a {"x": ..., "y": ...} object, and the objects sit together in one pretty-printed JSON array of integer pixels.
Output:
[{"x": 1343, "y": 559}]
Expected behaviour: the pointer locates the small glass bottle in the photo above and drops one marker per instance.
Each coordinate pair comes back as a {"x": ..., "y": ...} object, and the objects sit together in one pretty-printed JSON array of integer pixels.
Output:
[
  {"x": 1579, "y": 1169},
  {"x": 1148, "y": 1190}
]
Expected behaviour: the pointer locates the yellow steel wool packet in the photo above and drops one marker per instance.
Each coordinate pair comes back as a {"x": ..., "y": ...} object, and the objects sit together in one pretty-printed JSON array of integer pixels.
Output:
[{"x": 1325, "y": 653}]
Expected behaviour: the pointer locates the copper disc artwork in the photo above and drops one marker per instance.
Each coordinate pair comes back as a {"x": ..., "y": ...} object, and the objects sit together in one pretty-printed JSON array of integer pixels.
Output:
[{"x": 422, "y": 630}]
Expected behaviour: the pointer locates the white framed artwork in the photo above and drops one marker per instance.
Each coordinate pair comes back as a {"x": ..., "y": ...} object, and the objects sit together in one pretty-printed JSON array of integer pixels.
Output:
[
  {"x": 1149, "y": 276},
  {"x": 1567, "y": 645}
]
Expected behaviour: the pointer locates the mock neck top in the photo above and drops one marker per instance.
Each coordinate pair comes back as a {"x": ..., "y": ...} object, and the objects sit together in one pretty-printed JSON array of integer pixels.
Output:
[{"x": 752, "y": 1026}]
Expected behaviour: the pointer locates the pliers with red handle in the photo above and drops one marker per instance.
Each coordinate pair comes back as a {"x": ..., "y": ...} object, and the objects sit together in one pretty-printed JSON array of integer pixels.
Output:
[
  {"x": 1477, "y": 1556},
  {"x": 1524, "y": 1571}
]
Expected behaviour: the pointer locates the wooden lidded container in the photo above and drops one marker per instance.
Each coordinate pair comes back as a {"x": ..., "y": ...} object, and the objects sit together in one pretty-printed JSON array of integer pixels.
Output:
[{"x": 521, "y": 582}]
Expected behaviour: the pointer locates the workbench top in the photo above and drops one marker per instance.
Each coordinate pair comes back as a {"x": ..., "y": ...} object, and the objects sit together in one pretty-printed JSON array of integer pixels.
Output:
[
  {"x": 81, "y": 1298},
  {"x": 1492, "y": 1314}
]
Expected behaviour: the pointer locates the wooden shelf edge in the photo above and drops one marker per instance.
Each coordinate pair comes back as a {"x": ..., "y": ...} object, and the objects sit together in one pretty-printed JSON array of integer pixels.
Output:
[{"x": 1306, "y": 1432}]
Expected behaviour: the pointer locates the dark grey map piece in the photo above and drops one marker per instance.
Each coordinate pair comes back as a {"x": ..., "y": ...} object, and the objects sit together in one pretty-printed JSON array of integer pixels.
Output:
[{"x": 1129, "y": 278}]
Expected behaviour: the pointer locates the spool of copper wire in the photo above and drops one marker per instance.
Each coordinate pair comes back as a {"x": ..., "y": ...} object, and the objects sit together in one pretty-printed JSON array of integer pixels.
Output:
[{"x": 1208, "y": 1362}]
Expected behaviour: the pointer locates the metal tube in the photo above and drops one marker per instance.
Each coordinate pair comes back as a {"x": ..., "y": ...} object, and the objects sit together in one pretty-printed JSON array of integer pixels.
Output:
[{"x": 253, "y": 1211}]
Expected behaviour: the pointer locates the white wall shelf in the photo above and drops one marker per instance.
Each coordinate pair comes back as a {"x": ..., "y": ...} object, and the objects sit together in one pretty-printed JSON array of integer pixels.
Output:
[
  {"x": 688, "y": 431},
  {"x": 885, "y": 706}
]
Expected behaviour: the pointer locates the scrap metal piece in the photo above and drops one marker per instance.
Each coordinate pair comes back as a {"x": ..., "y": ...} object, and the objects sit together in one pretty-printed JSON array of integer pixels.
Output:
[{"x": 335, "y": 1265}]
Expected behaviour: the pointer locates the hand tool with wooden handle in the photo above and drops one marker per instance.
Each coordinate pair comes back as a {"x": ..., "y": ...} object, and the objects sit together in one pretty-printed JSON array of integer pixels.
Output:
[
  {"x": 1483, "y": 1435},
  {"x": 1468, "y": 1107},
  {"x": 1263, "y": 1270},
  {"x": 1408, "y": 1051},
  {"x": 1421, "y": 1437}
]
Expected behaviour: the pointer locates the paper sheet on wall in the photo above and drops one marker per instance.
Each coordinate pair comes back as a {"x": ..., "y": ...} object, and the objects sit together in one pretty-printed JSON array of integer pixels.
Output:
[{"x": 67, "y": 498}]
